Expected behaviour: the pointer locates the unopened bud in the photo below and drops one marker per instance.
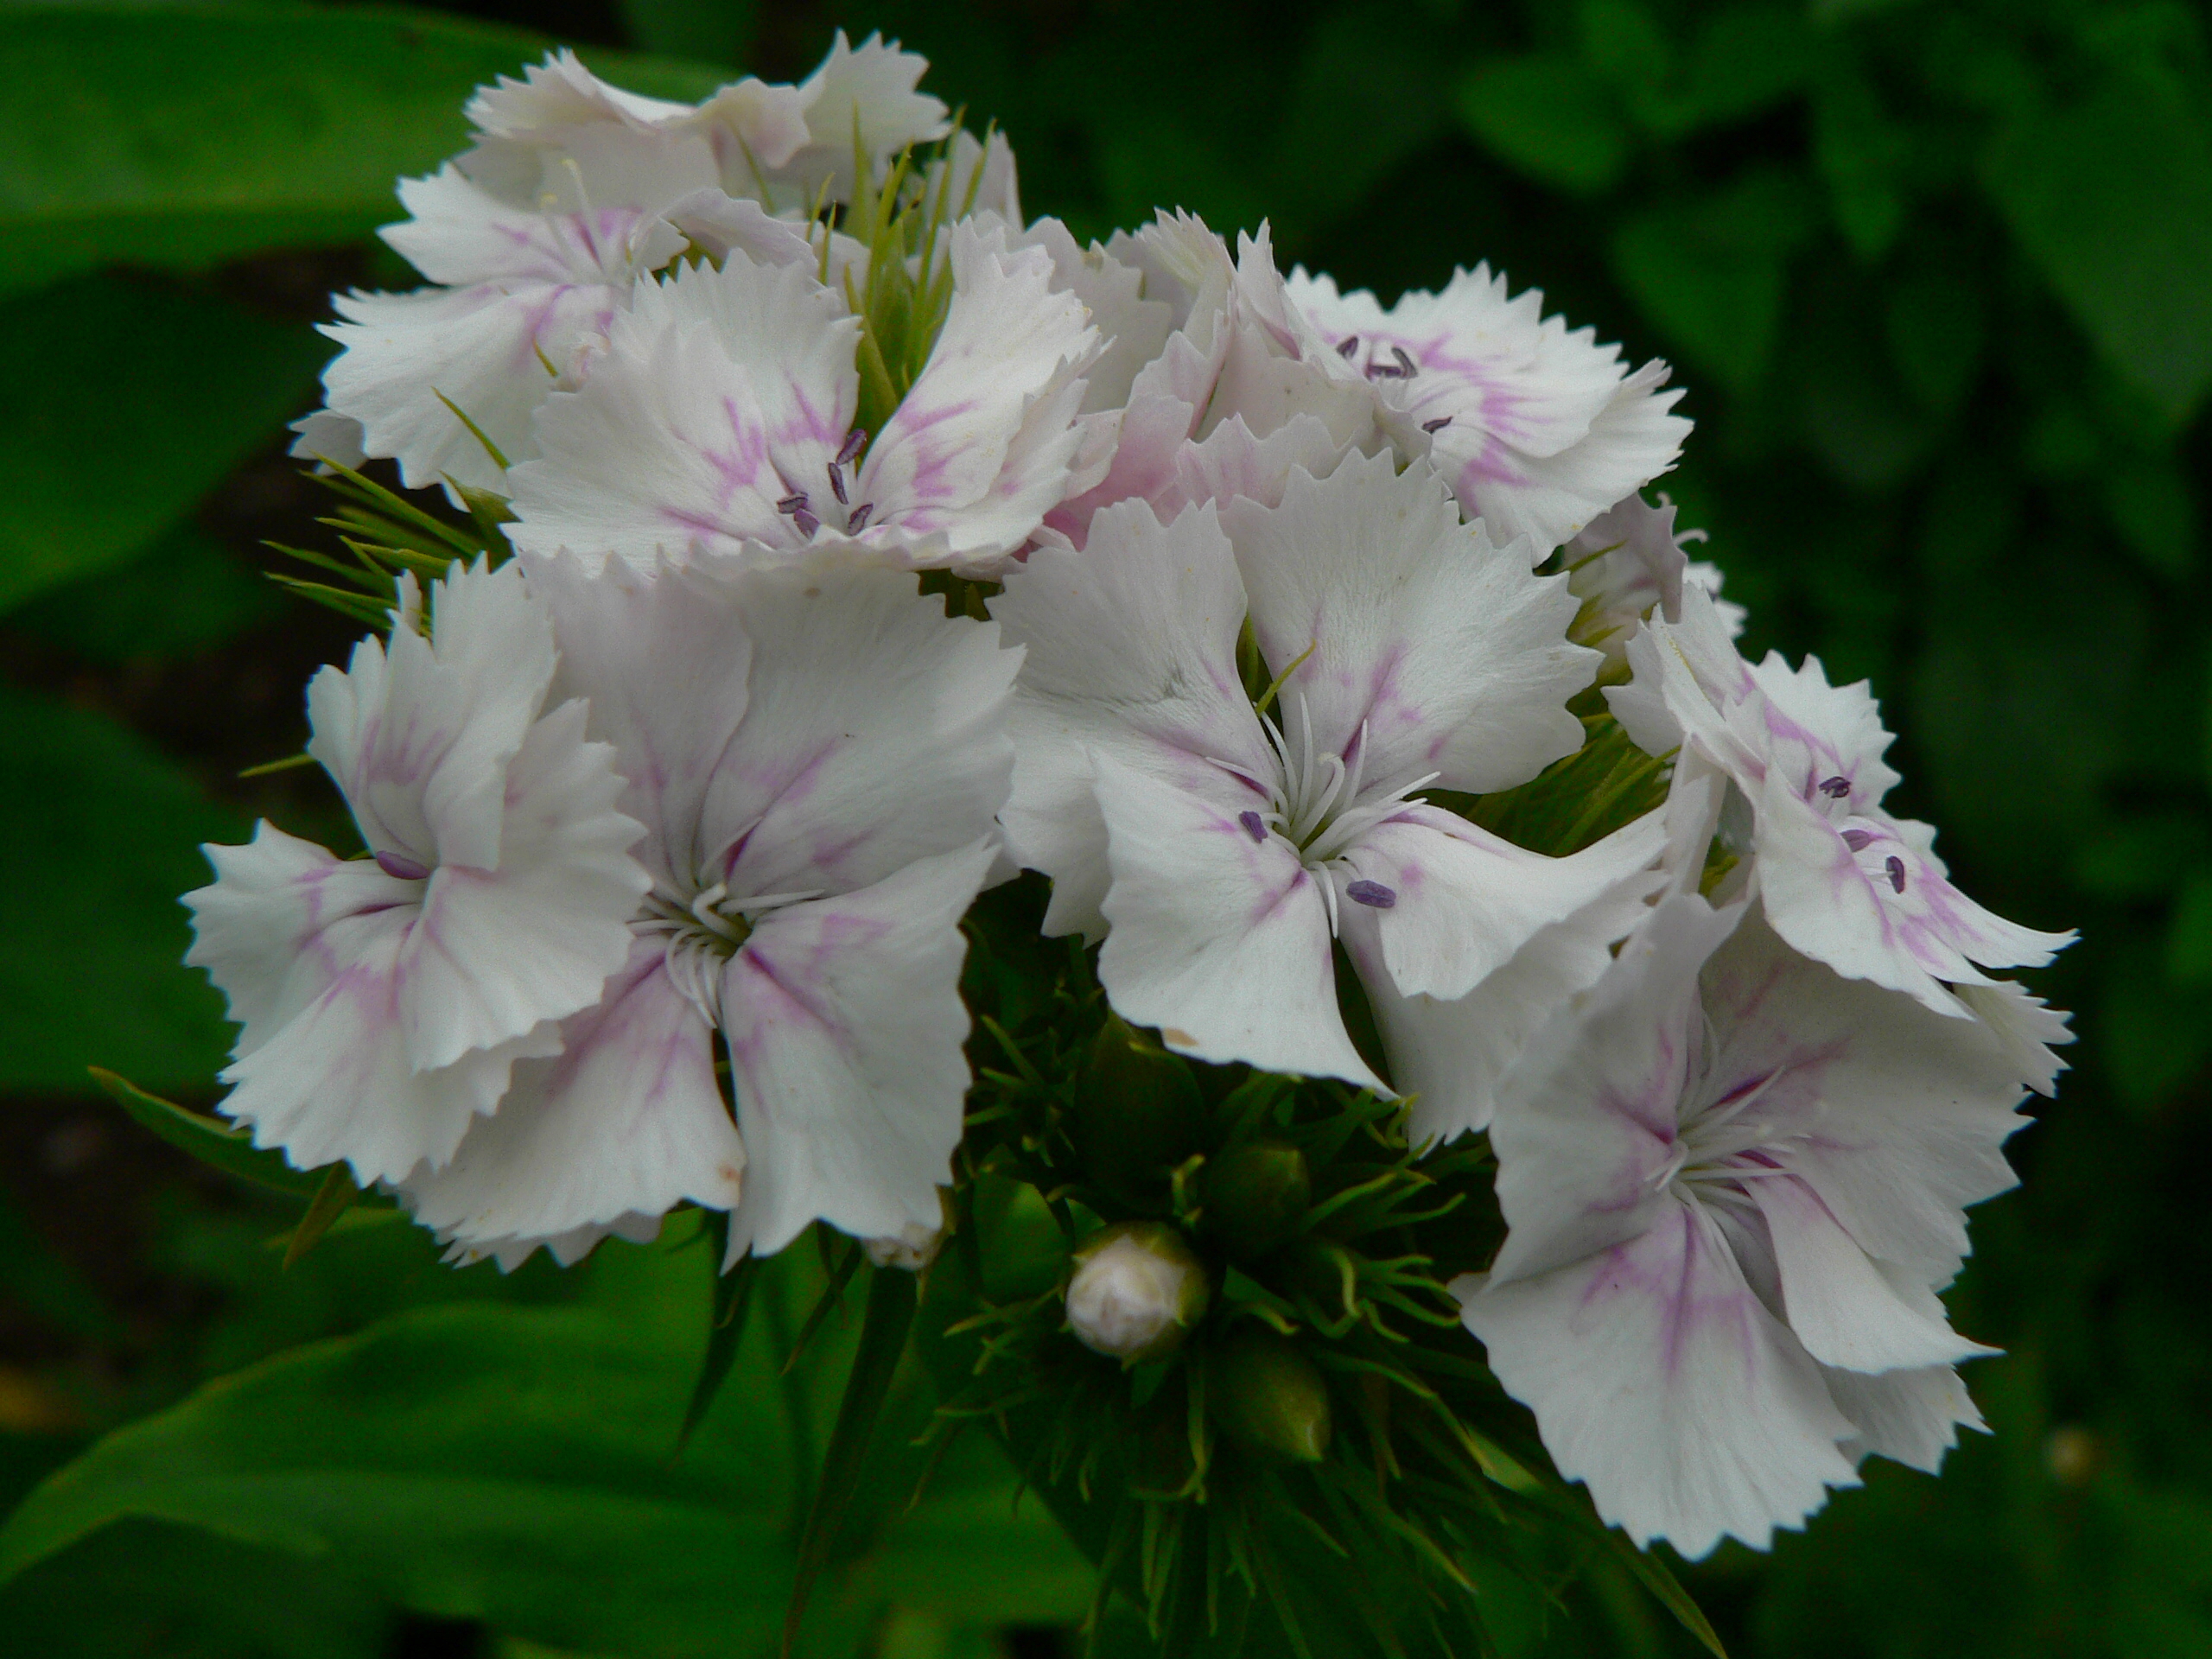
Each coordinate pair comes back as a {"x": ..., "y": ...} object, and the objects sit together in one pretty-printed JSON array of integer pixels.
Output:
[
  {"x": 1137, "y": 1110},
  {"x": 1137, "y": 1290},
  {"x": 1268, "y": 1397},
  {"x": 1255, "y": 1196}
]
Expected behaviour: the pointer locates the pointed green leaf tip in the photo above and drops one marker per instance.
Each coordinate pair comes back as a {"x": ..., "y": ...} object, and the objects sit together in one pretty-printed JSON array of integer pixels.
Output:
[
  {"x": 228, "y": 1146},
  {"x": 891, "y": 1301}
]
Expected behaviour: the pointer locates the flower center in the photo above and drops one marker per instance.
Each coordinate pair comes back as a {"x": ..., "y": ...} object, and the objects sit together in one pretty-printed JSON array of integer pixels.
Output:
[
  {"x": 1322, "y": 805},
  {"x": 703, "y": 933},
  {"x": 1723, "y": 1143}
]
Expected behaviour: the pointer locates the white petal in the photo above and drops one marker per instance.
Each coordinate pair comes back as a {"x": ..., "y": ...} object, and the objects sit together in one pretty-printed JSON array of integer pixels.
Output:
[
  {"x": 845, "y": 1026},
  {"x": 1229, "y": 462},
  {"x": 1588, "y": 1121},
  {"x": 864, "y": 93},
  {"x": 1836, "y": 1298},
  {"x": 1449, "y": 1058},
  {"x": 1543, "y": 430},
  {"x": 1882, "y": 911},
  {"x": 419, "y": 738},
  {"x": 2025, "y": 1025},
  {"x": 1660, "y": 1380},
  {"x": 1894, "y": 1116},
  {"x": 331, "y": 438},
  {"x": 1132, "y": 329},
  {"x": 1132, "y": 652},
  {"x": 457, "y": 233},
  {"x": 561, "y": 93},
  {"x": 1442, "y": 648},
  {"x": 628, "y": 642},
  {"x": 1912, "y": 1416},
  {"x": 721, "y": 393},
  {"x": 874, "y": 733},
  {"x": 566, "y": 1248},
  {"x": 494, "y": 351},
  {"x": 628, "y": 1119},
  {"x": 1464, "y": 900},
  {"x": 980, "y": 446},
  {"x": 335, "y": 1081},
  {"x": 495, "y": 952},
  {"x": 1219, "y": 940}
]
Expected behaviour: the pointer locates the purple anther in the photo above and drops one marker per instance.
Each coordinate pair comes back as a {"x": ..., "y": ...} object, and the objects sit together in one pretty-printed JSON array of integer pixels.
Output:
[
  {"x": 1436, "y": 425},
  {"x": 1895, "y": 866},
  {"x": 1857, "y": 839},
  {"x": 1384, "y": 371},
  {"x": 858, "y": 521},
  {"x": 1407, "y": 366},
  {"x": 807, "y": 523},
  {"x": 1253, "y": 825},
  {"x": 1347, "y": 346},
  {"x": 795, "y": 502},
  {"x": 401, "y": 868},
  {"x": 1836, "y": 788},
  {"x": 855, "y": 440},
  {"x": 1373, "y": 894},
  {"x": 837, "y": 484}
]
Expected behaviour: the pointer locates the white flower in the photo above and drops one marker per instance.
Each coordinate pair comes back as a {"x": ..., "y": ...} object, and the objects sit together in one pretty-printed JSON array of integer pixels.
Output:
[
  {"x": 816, "y": 753},
  {"x": 1537, "y": 431},
  {"x": 1843, "y": 881},
  {"x": 1627, "y": 564},
  {"x": 1734, "y": 1183},
  {"x": 384, "y": 1000},
  {"x": 720, "y": 418},
  {"x": 1218, "y": 851},
  {"x": 866, "y": 93},
  {"x": 532, "y": 241}
]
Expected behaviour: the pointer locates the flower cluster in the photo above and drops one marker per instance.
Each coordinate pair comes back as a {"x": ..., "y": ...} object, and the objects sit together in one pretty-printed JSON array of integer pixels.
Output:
[{"x": 855, "y": 542}]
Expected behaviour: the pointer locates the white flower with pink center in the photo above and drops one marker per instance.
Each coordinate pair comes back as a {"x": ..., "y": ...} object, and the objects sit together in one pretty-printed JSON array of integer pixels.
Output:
[
  {"x": 1219, "y": 847},
  {"x": 1843, "y": 881},
  {"x": 385, "y": 1000},
  {"x": 1536, "y": 428},
  {"x": 816, "y": 753},
  {"x": 1734, "y": 1183},
  {"x": 722, "y": 416}
]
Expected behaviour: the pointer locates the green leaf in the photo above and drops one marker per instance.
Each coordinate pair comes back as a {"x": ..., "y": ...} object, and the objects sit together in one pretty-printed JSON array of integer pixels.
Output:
[
  {"x": 891, "y": 1301},
  {"x": 1546, "y": 115},
  {"x": 2111, "y": 199},
  {"x": 187, "y": 134},
  {"x": 42, "y": 1282},
  {"x": 712, "y": 31},
  {"x": 122, "y": 403},
  {"x": 144, "y": 1589},
  {"x": 1709, "y": 272},
  {"x": 227, "y": 1146},
  {"x": 1860, "y": 150},
  {"x": 732, "y": 1300},
  {"x": 512, "y": 1464},
  {"x": 331, "y": 1202},
  {"x": 2188, "y": 938},
  {"x": 103, "y": 834},
  {"x": 186, "y": 595}
]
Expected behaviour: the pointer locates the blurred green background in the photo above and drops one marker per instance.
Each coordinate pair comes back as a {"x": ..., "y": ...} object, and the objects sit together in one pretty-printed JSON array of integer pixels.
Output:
[{"x": 1939, "y": 280}]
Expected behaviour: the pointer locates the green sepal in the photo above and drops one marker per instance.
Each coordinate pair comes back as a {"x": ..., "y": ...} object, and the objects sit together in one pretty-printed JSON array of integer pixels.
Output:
[
  {"x": 732, "y": 1298},
  {"x": 891, "y": 1301},
  {"x": 227, "y": 1146},
  {"x": 332, "y": 1199},
  {"x": 1268, "y": 1397},
  {"x": 1137, "y": 1111}
]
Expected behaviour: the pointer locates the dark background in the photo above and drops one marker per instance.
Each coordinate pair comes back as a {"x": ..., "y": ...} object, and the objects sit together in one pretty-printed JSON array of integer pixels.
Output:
[{"x": 1938, "y": 279}]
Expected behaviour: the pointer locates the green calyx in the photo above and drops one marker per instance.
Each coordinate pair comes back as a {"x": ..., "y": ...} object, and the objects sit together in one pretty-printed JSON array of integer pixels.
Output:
[{"x": 1269, "y": 1398}]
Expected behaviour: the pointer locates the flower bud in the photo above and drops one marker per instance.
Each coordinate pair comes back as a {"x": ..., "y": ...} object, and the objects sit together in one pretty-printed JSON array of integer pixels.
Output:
[
  {"x": 1255, "y": 1196},
  {"x": 1136, "y": 1290},
  {"x": 1137, "y": 1110},
  {"x": 1268, "y": 1397}
]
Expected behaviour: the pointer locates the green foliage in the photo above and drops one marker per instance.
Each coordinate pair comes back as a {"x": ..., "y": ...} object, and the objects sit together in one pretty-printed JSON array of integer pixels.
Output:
[
  {"x": 515, "y": 1463},
  {"x": 182, "y": 136}
]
